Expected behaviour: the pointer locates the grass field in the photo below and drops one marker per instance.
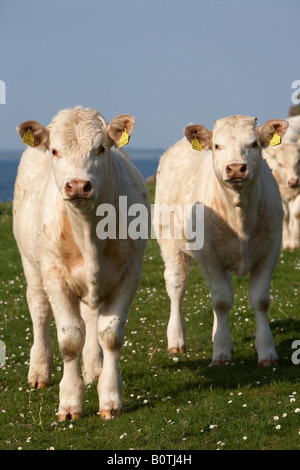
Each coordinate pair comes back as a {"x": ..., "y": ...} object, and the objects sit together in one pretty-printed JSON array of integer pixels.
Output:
[{"x": 171, "y": 402}]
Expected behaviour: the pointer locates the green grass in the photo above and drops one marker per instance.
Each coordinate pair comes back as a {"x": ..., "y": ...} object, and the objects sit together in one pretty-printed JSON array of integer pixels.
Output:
[{"x": 170, "y": 402}]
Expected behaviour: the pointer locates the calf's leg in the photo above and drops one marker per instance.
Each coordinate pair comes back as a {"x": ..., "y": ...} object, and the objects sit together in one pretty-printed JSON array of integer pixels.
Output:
[
  {"x": 295, "y": 223},
  {"x": 176, "y": 277},
  {"x": 41, "y": 356},
  {"x": 91, "y": 353},
  {"x": 221, "y": 292},
  {"x": 111, "y": 330},
  {"x": 259, "y": 296},
  {"x": 71, "y": 337}
]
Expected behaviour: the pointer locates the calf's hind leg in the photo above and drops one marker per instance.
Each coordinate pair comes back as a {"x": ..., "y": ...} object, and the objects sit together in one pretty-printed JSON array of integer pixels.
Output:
[
  {"x": 176, "y": 277},
  {"x": 91, "y": 353},
  {"x": 221, "y": 293},
  {"x": 259, "y": 296}
]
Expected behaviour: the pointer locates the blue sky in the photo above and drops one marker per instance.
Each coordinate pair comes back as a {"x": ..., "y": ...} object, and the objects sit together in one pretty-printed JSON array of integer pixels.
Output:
[{"x": 168, "y": 62}]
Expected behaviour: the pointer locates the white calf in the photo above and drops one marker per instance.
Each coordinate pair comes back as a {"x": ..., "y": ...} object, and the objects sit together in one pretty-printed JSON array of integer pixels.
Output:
[
  {"x": 70, "y": 168},
  {"x": 242, "y": 223},
  {"x": 284, "y": 161}
]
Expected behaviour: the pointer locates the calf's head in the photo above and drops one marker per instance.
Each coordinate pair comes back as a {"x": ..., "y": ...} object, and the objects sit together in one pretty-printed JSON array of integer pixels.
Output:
[
  {"x": 236, "y": 143},
  {"x": 285, "y": 163},
  {"x": 78, "y": 142}
]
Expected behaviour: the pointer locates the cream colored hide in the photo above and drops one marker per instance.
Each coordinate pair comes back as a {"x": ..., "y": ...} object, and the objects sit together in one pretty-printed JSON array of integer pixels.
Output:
[
  {"x": 87, "y": 283},
  {"x": 242, "y": 224},
  {"x": 293, "y": 132},
  {"x": 284, "y": 160}
]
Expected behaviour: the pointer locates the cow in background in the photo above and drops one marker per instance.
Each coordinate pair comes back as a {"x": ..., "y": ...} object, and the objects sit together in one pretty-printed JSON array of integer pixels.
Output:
[
  {"x": 223, "y": 170},
  {"x": 284, "y": 161}
]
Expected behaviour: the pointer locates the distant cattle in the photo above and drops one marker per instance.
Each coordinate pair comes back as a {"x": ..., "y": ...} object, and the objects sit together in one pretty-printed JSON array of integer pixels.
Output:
[
  {"x": 69, "y": 168},
  {"x": 223, "y": 170},
  {"x": 284, "y": 160},
  {"x": 293, "y": 131}
]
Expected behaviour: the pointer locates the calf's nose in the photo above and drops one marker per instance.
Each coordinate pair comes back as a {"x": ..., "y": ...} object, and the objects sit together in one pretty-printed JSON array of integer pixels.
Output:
[
  {"x": 236, "y": 170},
  {"x": 292, "y": 182},
  {"x": 78, "y": 188}
]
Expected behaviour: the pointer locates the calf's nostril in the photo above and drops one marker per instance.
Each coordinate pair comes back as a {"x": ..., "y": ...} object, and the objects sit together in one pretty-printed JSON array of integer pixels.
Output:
[{"x": 87, "y": 187}]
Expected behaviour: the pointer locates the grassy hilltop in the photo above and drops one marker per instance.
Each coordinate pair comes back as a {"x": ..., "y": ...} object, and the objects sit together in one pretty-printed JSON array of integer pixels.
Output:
[{"x": 171, "y": 402}]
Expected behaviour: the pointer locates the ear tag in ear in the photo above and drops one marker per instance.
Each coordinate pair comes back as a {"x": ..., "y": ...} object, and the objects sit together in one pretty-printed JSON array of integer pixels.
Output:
[
  {"x": 196, "y": 144},
  {"x": 124, "y": 139},
  {"x": 28, "y": 138},
  {"x": 275, "y": 140}
]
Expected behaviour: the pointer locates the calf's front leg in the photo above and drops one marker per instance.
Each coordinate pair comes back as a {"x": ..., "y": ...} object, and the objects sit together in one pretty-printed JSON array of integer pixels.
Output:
[
  {"x": 111, "y": 330},
  {"x": 71, "y": 337}
]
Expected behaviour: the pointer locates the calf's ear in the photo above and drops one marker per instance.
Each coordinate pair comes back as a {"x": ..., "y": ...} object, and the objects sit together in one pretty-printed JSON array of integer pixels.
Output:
[
  {"x": 199, "y": 132},
  {"x": 33, "y": 133},
  {"x": 270, "y": 128},
  {"x": 120, "y": 126}
]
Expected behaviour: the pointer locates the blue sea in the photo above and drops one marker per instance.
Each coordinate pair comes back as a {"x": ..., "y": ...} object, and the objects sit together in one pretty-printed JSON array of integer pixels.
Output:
[{"x": 146, "y": 160}]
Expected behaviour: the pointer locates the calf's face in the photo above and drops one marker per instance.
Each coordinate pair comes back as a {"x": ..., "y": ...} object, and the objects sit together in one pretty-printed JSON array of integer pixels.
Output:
[
  {"x": 236, "y": 144},
  {"x": 285, "y": 163},
  {"x": 79, "y": 142}
]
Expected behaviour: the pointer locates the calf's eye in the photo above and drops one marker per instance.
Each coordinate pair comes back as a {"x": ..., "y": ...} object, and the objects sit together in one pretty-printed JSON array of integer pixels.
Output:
[
  {"x": 254, "y": 145},
  {"x": 101, "y": 149},
  {"x": 54, "y": 152},
  {"x": 217, "y": 147}
]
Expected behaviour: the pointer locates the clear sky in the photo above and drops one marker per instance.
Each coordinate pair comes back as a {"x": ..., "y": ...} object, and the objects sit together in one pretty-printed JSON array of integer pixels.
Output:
[{"x": 167, "y": 62}]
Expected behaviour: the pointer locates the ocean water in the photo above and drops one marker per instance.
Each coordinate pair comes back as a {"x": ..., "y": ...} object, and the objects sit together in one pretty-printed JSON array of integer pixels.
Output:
[{"x": 146, "y": 160}]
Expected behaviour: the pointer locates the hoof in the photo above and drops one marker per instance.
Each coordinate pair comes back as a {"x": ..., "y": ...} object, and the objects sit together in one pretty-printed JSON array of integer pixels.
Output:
[
  {"x": 268, "y": 363},
  {"x": 177, "y": 350},
  {"x": 38, "y": 385},
  {"x": 222, "y": 359},
  {"x": 109, "y": 414},
  {"x": 70, "y": 416},
  {"x": 218, "y": 363}
]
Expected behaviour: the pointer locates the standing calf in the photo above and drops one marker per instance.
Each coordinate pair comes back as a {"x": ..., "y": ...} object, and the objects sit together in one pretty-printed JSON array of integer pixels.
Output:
[
  {"x": 88, "y": 283},
  {"x": 242, "y": 224},
  {"x": 284, "y": 161}
]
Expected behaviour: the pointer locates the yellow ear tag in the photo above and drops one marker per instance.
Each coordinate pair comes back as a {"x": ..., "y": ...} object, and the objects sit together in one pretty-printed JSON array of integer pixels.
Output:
[
  {"x": 124, "y": 139},
  {"x": 275, "y": 140},
  {"x": 196, "y": 144},
  {"x": 28, "y": 138}
]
